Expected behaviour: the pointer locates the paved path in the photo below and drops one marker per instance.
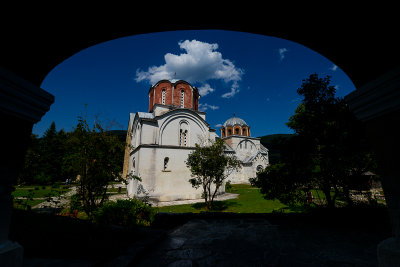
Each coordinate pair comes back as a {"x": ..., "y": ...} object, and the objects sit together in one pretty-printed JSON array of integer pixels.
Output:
[
  {"x": 256, "y": 242},
  {"x": 57, "y": 202}
]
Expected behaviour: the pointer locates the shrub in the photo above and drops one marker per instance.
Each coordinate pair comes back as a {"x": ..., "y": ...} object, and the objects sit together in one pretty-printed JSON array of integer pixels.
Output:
[
  {"x": 41, "y": 179},
  {"x": 125, "y": 213},
  {"x": 228, "y": 186},
  {"x": 75, "y": 203},
  {"x": 56, "y": 185}
]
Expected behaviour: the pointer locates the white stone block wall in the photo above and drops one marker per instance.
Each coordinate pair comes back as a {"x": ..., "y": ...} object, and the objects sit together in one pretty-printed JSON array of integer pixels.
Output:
[{"x": 167, "y": 184}]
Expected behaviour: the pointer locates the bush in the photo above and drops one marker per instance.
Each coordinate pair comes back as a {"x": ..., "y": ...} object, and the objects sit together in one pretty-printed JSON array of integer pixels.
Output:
[
  {"x": 228, "y": 186},
  {"x": 56, "y": 185},
  {"x": 75, "y": 203},
  {"x": 41, "y": 179},
  {"x": 125, "y": 213}
]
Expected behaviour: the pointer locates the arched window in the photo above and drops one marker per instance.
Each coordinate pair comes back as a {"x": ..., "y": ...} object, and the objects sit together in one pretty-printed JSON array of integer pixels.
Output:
[
  {"x": 244, "y": 131},
  {"x": 182, "y": 98},
  {"x": 133, "y": 167},
  {"x": 237, "y": 131},
  {"x": 184, "y": 134},
  {"x": 229, "y": 132},
  {"x": 259, "y": 168},
  {"x": 163, "y": 97}
]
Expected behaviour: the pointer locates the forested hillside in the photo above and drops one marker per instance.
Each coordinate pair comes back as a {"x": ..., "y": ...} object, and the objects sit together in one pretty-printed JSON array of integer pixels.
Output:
[{"x": 274, "y": 143}]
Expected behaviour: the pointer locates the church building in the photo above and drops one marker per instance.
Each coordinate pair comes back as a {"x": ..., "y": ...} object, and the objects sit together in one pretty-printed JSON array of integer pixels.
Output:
[{"x": 161, "y": 139}]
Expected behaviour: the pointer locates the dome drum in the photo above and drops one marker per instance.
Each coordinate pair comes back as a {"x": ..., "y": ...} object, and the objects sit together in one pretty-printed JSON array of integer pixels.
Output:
[
  {"x": 235, "y": 126},
  {"x": 180, "y": 94}
]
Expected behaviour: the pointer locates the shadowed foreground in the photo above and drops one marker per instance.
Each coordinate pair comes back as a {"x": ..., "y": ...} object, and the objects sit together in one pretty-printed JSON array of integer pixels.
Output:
[
  {"x": 341, "y": 237},
  {"x": 261, "y": 242}
]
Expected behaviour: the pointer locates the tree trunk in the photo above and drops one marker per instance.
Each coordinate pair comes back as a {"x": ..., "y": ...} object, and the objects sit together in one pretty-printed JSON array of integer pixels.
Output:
[
  {"x": 205, "y": 197},
  {"x": 346, "y": 192},
  {"x": 327, "y": 193}
]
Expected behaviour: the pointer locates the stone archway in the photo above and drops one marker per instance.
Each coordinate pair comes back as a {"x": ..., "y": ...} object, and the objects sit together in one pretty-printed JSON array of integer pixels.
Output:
[{"x": 358, "y": 46}]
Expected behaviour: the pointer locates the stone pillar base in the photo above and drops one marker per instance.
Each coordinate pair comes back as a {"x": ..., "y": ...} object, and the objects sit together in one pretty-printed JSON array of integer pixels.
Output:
[
  {"x": 11, "y": 254},
  {"x": 389, "y": 253}
]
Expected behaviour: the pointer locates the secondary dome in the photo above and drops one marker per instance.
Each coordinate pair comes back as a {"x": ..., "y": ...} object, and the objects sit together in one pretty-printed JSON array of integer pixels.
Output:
[
  {"x": 235, "y": 121},
  {"x": 235, "y": 126}
]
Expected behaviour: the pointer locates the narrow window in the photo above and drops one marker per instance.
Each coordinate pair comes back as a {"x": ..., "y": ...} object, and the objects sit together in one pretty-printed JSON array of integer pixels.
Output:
[
  {"x": 185, "y": 138},
  {"x": 182, "y": 98},
  {"x": 166, "y": 160},
  {"x": 229, "y": 132},
  {"x": 237, "y": 131},
  {"x": 163, "y": 97},
  {"x": 184, "y": 134}
]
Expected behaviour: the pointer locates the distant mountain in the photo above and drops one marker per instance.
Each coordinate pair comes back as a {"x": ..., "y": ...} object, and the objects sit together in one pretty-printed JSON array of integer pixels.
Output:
[{"x": 274, "y": 143}]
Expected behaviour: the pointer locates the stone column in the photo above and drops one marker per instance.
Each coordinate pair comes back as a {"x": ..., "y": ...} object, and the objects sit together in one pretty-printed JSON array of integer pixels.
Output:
[
  {"x": 22, "y": 104},
  {"x": 377, "y": 104}
]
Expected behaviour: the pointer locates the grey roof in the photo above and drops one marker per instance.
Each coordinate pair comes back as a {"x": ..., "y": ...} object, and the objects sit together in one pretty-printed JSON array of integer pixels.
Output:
[
  {"x": 235, "y": 121},
  {"x": 228, "y": 148},
  {"x": 263, "y": 149},
  {"x": 249, "y": 159},
  {"x": 145, "y": 115}
]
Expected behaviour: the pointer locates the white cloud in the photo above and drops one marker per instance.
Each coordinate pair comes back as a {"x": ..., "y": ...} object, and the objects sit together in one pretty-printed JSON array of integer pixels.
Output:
[
  {"x": 205, "y": 89},
  {"x": 205, "y": 106},
  {"x": 233, "y": 92},
  {"x": 334, "y": 67},
  {"x": 198, "y": 63},
  {"x": 282, "y": 52},
  {"x": 219, "y": 125}
]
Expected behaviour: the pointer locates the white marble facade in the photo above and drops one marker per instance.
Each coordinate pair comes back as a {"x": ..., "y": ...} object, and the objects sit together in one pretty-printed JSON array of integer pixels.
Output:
[{"x": 162, "y": 138}]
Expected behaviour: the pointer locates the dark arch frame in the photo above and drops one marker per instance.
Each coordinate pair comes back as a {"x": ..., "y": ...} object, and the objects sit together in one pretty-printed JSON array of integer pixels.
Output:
[{"x": 353, "y": 40}]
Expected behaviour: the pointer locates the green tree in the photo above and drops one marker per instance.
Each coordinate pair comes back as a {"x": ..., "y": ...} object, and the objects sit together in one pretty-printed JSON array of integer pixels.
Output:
[
  {"x": 210, "y": 166},
  {"x": 328, "y": 150},
  {"x": 94, "y": 157},
  {"x": 32, "y": 162},
  {"x": 52, "y": 151}
]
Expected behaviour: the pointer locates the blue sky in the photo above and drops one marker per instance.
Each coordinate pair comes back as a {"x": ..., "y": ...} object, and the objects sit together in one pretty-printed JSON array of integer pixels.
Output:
[{"x": 254, "y": 76}]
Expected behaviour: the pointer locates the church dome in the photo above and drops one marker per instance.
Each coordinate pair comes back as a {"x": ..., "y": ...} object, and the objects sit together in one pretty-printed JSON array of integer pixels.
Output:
[
  {"x": 235, "y": 121},
  {"x": 235, "y": 126}
]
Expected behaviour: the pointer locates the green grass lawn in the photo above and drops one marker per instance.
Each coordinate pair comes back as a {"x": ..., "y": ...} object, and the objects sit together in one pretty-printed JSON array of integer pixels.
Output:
[
  {"x": 34, "y": 195},
  {"x": 250, "y": 200},
  {"x": 38, "y": 191},
  {"x": 115, "y": 190}
]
